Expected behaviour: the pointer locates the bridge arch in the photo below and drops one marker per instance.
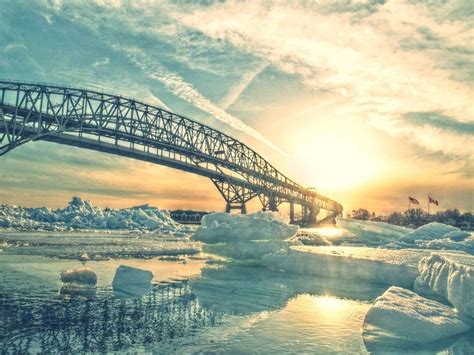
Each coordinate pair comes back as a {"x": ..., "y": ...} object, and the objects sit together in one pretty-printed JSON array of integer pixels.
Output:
[{"x": 131, "y": 128}]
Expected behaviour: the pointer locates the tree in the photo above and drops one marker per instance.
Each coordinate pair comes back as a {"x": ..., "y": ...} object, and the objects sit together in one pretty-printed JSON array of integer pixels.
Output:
[
  {"x": 395, "y": 218},
  {"x": 361, "y": 214}
]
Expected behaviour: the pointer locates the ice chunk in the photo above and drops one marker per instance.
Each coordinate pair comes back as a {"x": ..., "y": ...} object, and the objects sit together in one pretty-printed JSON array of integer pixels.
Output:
[
  {"x": 393, "y": 267},
  {"x": 224, "y": 227},
  {"x": 401, "y": 318},
  {"x": 457, "y": 236},
  {"x": 371, "y": 233},
  {"x": 429, "y": 231},
  {"x": 82, "y": 276},
  {"x": 131, "y": 281},
  {"x": 452, "y": 276}
]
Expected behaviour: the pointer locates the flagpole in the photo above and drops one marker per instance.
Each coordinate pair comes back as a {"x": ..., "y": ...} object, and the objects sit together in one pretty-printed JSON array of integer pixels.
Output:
[{"x": 428, "y": 205}]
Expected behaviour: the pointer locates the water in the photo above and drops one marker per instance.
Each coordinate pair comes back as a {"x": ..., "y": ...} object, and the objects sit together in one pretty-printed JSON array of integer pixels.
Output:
[{"x": 194, "y": 306}]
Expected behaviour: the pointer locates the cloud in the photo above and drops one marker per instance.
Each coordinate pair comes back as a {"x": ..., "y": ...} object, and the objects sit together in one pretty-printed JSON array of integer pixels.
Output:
[
  {"x": 103, "y": 61},
  {"x": 179, "y": 87},
  {"x": 235, "y": 92},
  {"x": 47, "y": 17},
  {"x": 362, "y": 51},
  {"x": 148, "y": 46}
]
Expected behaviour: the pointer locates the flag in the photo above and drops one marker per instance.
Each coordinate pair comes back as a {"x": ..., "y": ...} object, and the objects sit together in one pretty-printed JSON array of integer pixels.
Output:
[
  {"x": 433, "y": 201},
  {"x": 413, "y": 200}
]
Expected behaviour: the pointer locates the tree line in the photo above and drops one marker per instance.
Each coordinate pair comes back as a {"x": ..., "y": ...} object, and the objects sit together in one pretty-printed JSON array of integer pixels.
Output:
[{"x": 416, "y": 217}]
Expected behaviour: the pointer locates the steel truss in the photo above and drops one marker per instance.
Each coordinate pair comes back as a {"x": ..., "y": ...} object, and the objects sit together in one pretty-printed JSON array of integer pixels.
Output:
[{"x": 130, "y": 128}]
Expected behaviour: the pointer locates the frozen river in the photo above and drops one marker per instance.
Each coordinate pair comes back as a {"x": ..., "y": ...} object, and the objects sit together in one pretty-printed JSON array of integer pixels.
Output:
[{"x": 197, "y": 303}]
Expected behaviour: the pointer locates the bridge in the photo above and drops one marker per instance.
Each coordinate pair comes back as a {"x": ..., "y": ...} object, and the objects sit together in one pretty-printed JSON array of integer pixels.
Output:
[{"x": 131, "y": 128}]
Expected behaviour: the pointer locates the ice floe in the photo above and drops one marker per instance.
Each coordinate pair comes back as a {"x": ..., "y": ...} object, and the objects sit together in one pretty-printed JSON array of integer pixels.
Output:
[
  {"x": 95, "y": 245},
  {"x": 452, "y": 276},
  {"x": 401, "y": 318},
  {"x": 434, "y": 235},
  {"x": 370, "y": 233},
  {"x": 225, "y": 227},
  {"x": 385, "y": 266},
  {"x": 244, "y": 236},
  {"x": 81, "y": 214}
]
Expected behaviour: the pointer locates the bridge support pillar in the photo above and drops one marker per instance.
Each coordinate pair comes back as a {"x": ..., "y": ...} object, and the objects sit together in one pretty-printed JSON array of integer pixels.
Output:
[
  {"x": 292, "y": 213},
  {"x": 309, "y": 215},
  {"x": 238, "y": 206}
]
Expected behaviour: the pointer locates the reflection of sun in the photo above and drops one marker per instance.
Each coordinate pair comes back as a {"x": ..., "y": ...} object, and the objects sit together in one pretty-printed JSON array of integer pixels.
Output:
[
  {"x": 329, "y": 232},
  {"x": 329, "y": 303},
  {"x": 334, "y": 162}
]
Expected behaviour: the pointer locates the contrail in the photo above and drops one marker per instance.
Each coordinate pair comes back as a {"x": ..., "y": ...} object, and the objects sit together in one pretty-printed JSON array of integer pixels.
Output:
[
  {"x": 237, "y": 90},
  {"x": 179, "y": 87}
]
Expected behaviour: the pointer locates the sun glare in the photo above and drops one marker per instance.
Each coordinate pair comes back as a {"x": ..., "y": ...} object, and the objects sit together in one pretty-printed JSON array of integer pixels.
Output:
[{"x": 335, "y": 162}]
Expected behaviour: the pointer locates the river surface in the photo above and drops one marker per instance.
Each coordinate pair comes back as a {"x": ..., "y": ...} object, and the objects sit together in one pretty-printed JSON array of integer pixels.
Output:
[{"x": 194, "y": 305}]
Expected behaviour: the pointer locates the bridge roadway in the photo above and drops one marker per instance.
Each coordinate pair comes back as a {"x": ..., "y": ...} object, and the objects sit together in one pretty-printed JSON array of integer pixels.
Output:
[{"x": 130, "y": 128}]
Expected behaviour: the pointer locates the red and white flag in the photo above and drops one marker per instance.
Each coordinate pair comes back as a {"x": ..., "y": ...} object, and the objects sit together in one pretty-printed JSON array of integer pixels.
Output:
[
  {"x": 413, "y": 200},
  {"x": 433, "y": 201}
]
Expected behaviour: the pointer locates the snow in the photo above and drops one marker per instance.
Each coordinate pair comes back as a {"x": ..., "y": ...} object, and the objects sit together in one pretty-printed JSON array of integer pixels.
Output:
[
  {"x": 429, "y": 231},
  {"x": 224, "y": 227},
  {"x": 244, "y": 236},
  {"x": 131, "y": 281},
  {"x": 452, "y": 276},
  {"x": 82, "y": 276},
  {"x": 401, "y": 318},
  {"x": 370, "y": 233},
  {"x": 81, "y": 214},
  {"x": 384, "y": 266}
]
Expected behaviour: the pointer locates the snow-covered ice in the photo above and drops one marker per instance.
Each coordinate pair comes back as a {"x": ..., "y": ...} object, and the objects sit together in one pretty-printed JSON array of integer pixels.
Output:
[
  {"x": 224, "y": 227},
  {"x": 244, "y": 236},
  {"x": 452, "y": 276},
  {"x": 434, "y": 235},
  {"x": 370, "y": 233},
  {"x": 401, "y": 318},
  {"x": 81, "y": 214},
  {"x": 433, "y": 230},
  {"x": 386, "y": 266},
  {"x": 82, "y": 276}
]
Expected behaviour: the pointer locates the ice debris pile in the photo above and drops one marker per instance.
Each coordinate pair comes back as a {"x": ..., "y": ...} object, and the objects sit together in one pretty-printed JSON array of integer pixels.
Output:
[
  {"x": 81, "y": 214},
  {"x": 244, "y": 236},
  {"x": 400, "y": 318}
]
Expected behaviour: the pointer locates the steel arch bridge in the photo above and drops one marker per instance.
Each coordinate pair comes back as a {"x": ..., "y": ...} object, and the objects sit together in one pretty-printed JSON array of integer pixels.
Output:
[{"x": 130, "y": 128}]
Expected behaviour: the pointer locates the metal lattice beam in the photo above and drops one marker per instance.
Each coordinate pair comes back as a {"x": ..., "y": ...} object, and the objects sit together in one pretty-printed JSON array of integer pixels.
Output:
[{"x": 127, "y": 127}]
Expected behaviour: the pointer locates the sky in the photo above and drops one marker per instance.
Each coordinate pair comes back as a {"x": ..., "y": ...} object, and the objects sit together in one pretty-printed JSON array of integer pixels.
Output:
[{"x": 367, "y": 101}]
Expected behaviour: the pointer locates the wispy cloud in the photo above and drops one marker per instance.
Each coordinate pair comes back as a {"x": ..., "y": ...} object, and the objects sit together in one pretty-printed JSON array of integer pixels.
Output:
[
  {"x": 102, "y": 61},
  {"x": 235, "y": 91},
  {"x": 357, "y": 51},
  {"x": 186, "y": 91}
]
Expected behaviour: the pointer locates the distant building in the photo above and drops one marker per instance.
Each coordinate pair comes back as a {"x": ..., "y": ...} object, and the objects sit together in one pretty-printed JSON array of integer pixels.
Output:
[{"x": 188, "y": 216}]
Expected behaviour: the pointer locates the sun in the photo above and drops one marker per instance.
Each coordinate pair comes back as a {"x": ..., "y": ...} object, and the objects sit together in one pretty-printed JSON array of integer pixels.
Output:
[{"x": 332, "y": 162}]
